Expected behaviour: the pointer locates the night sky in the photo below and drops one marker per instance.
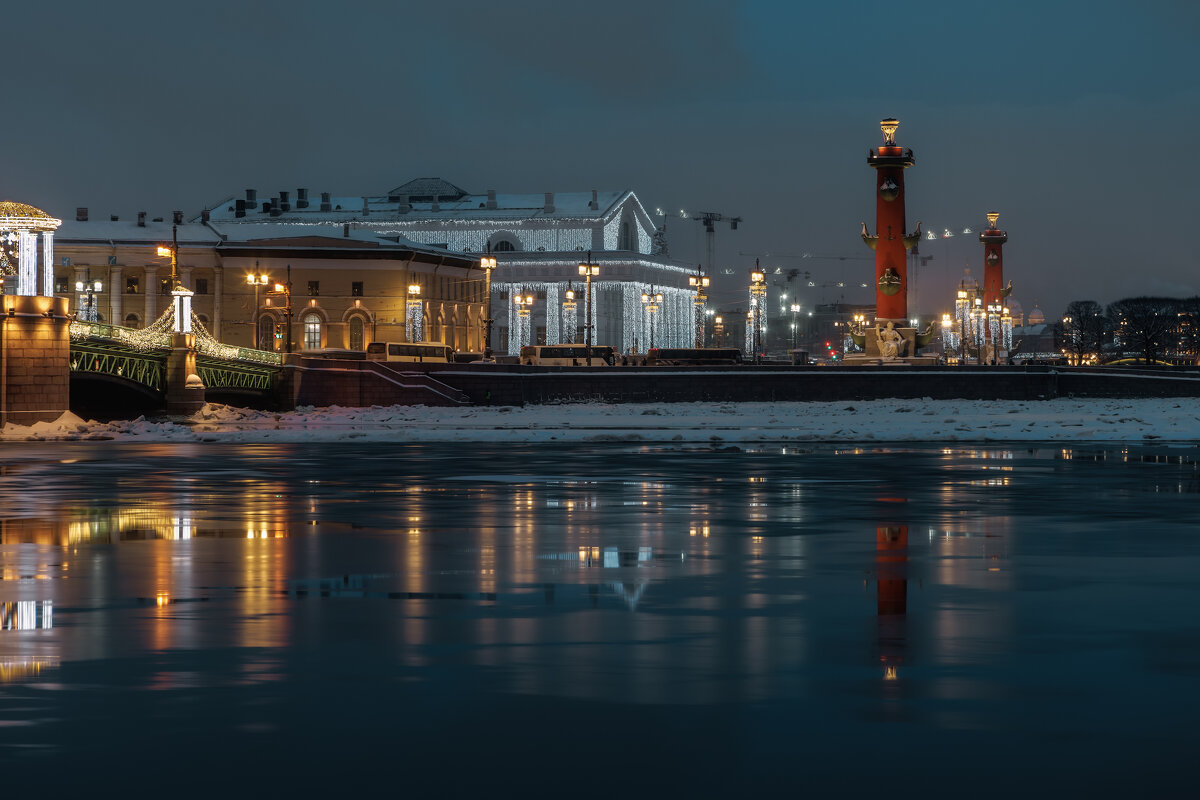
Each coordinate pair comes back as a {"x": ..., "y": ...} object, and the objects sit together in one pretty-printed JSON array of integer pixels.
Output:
[{"x": 1071, "y": 119}]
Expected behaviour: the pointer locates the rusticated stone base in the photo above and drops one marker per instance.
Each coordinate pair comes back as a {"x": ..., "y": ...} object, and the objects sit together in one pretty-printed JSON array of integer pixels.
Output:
[{"x": 35, "y": 352}]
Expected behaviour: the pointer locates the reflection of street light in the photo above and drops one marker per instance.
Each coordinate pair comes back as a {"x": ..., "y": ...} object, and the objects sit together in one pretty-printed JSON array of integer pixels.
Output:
[
  {"x": 700, "y": 283},
  {"x": 652, "y": 301},
  {"x": 257, "y": 281},
  {"x": 487, "y": 264},
  {"x": 758, "y": 293},
  {"x": 412, "y": 313},
  {"x": 90, "y": 288},
  {"x": 589, "y": 271}
]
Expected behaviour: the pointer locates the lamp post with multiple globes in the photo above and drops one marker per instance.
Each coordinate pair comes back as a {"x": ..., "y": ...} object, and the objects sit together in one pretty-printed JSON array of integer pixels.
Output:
[
  {"x": 653, "y": 302},
  {"x": 758, "y": 294},
  {"x": 257, "y": 280},
  {"x": 487, "y": 264},
  {"x": 700, "y": 283},
  {"x": 588, "y": 270}
]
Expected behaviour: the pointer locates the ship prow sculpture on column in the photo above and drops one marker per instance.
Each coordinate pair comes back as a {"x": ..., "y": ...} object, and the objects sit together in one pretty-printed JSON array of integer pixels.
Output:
[{"x": 891, "y": 339}]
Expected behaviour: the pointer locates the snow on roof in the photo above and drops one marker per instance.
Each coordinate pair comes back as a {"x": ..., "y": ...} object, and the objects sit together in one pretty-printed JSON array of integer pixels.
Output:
[
  {"x": 472, "y": 207},
  {"x": 129, "y": 231}
]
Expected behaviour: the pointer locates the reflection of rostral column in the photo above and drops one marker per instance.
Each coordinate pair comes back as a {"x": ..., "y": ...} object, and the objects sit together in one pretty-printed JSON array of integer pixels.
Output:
[
  {"x": 891, "y": 595},
  {"x": 890, "y": 242},
  {"x": 993, "y": 262}
]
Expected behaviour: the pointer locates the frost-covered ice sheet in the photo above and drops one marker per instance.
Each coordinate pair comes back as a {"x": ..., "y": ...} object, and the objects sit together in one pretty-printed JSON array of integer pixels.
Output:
[{"x": 887, "y": 420}]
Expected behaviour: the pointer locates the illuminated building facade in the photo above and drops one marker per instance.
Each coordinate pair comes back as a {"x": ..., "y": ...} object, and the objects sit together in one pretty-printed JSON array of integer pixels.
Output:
[{"x": 538, "y": 240}]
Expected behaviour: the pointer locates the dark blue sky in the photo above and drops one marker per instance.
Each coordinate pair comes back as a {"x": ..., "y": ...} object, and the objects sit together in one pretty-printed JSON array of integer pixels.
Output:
[{"x": 1070, "y": 119}]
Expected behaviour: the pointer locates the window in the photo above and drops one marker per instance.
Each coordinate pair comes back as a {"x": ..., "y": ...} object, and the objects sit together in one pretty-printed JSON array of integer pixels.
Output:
[
  {"x": 357, "y": 331},
  {"x": 314, "y": 288},
  {"x": 312, "y": 329},
  {"x": 132, "y": 285},
  {"x": 504, "y": 246},
  {"x": 201, "y": 285},
  {"x": 266, "y": 332},
  {"x": 132, "y": 321},
  {"x": 356, "y": 289},
  {"x": 60, "y": 285}
]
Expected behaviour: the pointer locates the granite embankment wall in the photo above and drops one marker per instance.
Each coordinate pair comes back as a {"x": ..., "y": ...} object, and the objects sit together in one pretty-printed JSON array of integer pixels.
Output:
[{"x": 322, "y": 382}]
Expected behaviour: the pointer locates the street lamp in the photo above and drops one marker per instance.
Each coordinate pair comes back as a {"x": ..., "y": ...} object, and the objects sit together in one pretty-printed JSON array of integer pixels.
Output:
[
  {"x": 257, "y": 281},
  {"x": 947, "y": 343},
  {"x": 487, "y": 264},
  {"x": 285, "y": 289},
  {"x": 589, "y": 271},
  {"x": 719, "y": 330},
  {"x": 412, "y": 314},
  {"x": 758, "y": 293},
  {"x": 700, "y": 283},
  {"x": 795, "y": 307},
  {"x": 652, "y": 301},
  {"x": 570, "y": 317},
  {"x": 524, "y": 303},
  {"x": 90, "y": 288}
]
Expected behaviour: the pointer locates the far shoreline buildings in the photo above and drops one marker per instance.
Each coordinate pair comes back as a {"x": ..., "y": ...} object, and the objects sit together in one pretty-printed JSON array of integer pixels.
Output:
[{"x": 352, "y": 260}]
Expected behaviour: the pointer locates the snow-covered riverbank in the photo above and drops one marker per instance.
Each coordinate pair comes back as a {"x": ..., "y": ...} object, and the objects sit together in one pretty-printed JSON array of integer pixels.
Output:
[{"x": 1107, "y": 420}]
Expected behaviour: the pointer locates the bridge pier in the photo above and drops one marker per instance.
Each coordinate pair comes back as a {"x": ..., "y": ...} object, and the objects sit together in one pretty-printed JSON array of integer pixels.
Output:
[
  {"x": 185, "y": 390},
  {"x": 35, "y": 354}
]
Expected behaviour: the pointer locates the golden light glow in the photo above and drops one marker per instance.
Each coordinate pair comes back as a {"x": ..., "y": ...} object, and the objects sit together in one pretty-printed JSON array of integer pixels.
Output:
[
  {"x": 163, "y": 251},
  {"x": 992, "y": 216},
  {"x": 889, "y": 126},
  {"x": 414, "y": 289},
  {"x": 487, "y": 262}
]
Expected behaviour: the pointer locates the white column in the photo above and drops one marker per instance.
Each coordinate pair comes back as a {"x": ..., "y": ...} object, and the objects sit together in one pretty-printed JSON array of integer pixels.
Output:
[
  {"x": 116, "y": 296},
  {"x": 27, "y": 264},
  {"x": 48, "y": 263},
  {"x": 218, "y": 274},
  {"x": 151, "y": 294},
  {"x": 183, "y": 310}
]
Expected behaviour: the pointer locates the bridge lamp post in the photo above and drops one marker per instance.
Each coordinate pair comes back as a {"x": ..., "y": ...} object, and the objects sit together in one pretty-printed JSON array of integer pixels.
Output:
[
  {"x": 285, "y": 289},
  {"x": 758, "y": 294},
  {"x": 652, "y": 301},
  {"x": 412, "y": 312},
  {"x": 257, "y": 281},
  {"x": 90, "y": 288},
  {"x": 719, "y": 330},
  {"x": 487, "y": 264},
  {"x": 588, "y": 270},
  {"x": 700, "y": 283}
]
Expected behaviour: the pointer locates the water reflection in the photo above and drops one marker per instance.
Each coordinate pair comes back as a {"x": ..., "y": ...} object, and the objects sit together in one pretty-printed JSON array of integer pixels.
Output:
[{"x": 639, "y": 577}]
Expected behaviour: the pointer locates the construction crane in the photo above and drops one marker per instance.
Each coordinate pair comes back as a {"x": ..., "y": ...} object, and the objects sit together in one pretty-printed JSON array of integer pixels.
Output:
[{"x": 710, "y": 220}]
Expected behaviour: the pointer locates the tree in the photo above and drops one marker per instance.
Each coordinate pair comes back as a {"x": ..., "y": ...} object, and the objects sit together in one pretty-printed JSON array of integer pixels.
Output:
[
  {"x": 1145, "y": 325},
  {"x": 1083, "y": 330}
]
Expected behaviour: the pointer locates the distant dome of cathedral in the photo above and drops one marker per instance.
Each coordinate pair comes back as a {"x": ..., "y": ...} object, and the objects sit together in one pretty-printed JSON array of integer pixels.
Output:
[{"x": 1036, "y": 317}]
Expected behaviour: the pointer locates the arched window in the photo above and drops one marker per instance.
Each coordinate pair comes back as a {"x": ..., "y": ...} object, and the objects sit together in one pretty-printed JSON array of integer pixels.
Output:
[
  {"x": 504, "y": 246},
  {"x": 312, "y": 331},
  {"x": 357, "y": 333},
  {"x": 266, "y": 332},
  {"x": 133, "y": 321}
]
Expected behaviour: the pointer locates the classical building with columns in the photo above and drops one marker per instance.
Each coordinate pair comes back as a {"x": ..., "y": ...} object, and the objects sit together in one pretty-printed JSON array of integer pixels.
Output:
[
  {"x": 349, "y": 286},
  {"x": 539, "y": 240}
]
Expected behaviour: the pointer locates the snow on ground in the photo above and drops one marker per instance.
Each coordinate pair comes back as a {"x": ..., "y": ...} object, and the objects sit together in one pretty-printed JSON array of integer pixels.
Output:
[{"x": 886, "y": 420}]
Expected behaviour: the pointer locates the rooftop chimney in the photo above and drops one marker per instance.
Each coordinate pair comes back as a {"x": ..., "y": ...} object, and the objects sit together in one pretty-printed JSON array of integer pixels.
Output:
[
  {"x": 239, "y": 207},
  {"x": 274, "y": 207},
  {"x": 113, "y": 218},
  {"x": 302, "y": 198},
  {"x": 549, "y": 209},
  {"x": 266, "y": 207},
  {"x": 491, "y": 201},
  {"x": 205, "y": 216},
  {"x": 177, "y": 217},
  {"x": 141, "y": 219},
  {"x": 595, "y": 204},
  {"x": 405, "y": 206},
  {"x": 251, "y": 197},
  {"x": 366, "y": 211},
  {"x": 81, "y": 214},
  {"x": 285, "y": 204},
  {"x": 346, "y": 230},
  {"x": 436, "y": 206},
  {"x": 325, "y": 204}
]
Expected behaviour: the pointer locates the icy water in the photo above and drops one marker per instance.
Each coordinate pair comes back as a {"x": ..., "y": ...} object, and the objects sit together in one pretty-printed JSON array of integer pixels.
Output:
[{"x": 580, "y": 621}]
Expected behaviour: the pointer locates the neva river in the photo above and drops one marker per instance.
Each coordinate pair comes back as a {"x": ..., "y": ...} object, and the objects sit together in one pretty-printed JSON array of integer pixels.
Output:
[{"x": 599, "y": 619}]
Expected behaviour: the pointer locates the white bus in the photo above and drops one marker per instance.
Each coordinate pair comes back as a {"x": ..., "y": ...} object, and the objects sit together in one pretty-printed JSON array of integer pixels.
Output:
[
  {"x": 567, "y": 355},
  {"x": 425, "y": 352}
]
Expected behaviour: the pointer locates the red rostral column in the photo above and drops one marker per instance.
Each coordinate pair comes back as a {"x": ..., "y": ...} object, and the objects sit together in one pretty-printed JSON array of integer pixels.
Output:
[
  {"x": 890, "y": 242},
  {"x": 993, "y": 262}
]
